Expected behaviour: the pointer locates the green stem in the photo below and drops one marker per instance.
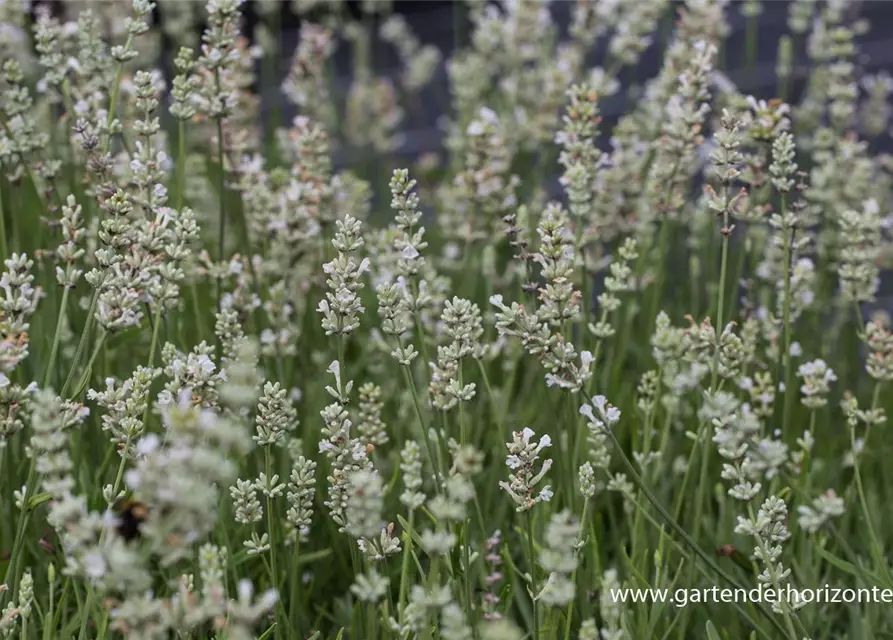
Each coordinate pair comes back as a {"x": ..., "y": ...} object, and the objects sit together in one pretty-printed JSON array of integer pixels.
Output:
[
  {"x": 181, "y": 163},
  {"x": 646, "y": 449},
  {"x": 877, "y": 551},
  {"x": 404, "y": 569},
  {"x": 153, "y": 346},
  {"x": 433, "y": 458},
  {"x": 470, "y": 612},
  {"x": 13, "y": 568},
  {"x": 584, "y": 279},
  {"x": 119, "y": 475},
  {"x": 85, "y": 378},
  {"x": 497, "y": 417},
  {"x": 433, "y": 581},
  {"x": 806, "y": 468},
  {"x": 49, "y": 627},
  {"x": 221, "y": 195},
  {"x": 570, "y": 608},
  {"x": 294, "y": 592},
  {"x": 663, "y": 249},
  {"x": 57, "y": 336},
  {"x": 720, "y": 297},
  {"x": 4, "y": 254},
  {"x": 704, "y": 429},
  {"x": 463, "y": 435},
  {"x": 116, "y": 88},
  {"x": 181, "y": 194},
  {"x": 533, "y": 584},
  {"x": 82, "y": 343},
  {"x": 271, "y": 530},
  {"x": 786, "y": 319},
  {"x": 85, "y": 613},
  {"x": 677, "y": 529}
]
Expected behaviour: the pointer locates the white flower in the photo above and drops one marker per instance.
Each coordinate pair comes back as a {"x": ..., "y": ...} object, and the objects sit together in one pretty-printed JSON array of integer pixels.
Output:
[
  {"x": 599, "y": 402},
  {"x": 608, "y": 413},
  {"x": 147, "y": 445},
  {"x": 94, "y": 565},
  {"x": 246, "y": 589}
]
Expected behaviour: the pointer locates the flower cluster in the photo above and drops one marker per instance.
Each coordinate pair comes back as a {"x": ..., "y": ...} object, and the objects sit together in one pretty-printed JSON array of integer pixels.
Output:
[
  {"x": 522, "y": 460},
  {"x": 342, "y": 306}
]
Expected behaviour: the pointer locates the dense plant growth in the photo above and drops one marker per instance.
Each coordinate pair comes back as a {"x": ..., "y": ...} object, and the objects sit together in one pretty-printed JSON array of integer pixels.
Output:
[{"x": 261, "y": 377}]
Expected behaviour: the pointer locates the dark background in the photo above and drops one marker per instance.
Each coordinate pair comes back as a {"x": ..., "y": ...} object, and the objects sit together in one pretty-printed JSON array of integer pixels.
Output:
[{"x": 444, "y": 24}]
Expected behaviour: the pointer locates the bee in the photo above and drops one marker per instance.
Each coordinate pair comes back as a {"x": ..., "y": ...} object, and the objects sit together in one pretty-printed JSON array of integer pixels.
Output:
[{"x": 131, "y": 515}]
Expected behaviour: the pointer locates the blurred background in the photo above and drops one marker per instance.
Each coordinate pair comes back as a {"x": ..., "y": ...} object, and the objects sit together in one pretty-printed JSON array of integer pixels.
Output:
[{"x": 446, "y": 25}]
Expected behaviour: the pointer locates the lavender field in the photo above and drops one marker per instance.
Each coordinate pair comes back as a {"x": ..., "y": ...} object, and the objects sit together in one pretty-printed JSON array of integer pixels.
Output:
[{"x": 318, "y": 322}]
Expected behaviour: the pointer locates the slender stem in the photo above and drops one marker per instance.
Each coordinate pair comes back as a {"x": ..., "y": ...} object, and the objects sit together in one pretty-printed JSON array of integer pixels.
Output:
[
  {"x": 13, "y": 569},
  {"x": 463, "y": 436},
  {"x": 420, "y": 330},
  {"x": 570, "y": 608},
  {"x": 714, "y": 378},
  {"x": 806, "y": 465},
  {"x": 82, "y": 343},
  {"x": 181, "y": 194},
  {"x": 4, "y": 254},
  {"x": 221, "y": 195},
  {"x": 268, "y": 465},
  {"x": 57, "y": 337},
  {"x": 181, "y": 163},
  {"x": 271, "y": 529},
  {"x": 677, "y": 528},
  {"x": 433, "y": 581},
  {"x": 294, "y": 593},
  {"x": 663, "y": 249},
  {"x": 113, "y": 103},
  {"x": 66, "y": 584},
  {"x": 85, "y": 378},
  {"x": 404, "y": 569},
  {"x": 497, "y": 417},
  {"x": 152, "y": 347},
  {"x": 433, "y": 458},
  {"x": 533, "y": 584},
  {"x": 584, "y": 277},
  {"x": 646, "y": 449},
  {"x": 49, "y": 627},
  {"x": 466, "y": 572},
  {"x": 85, "y": 613},
  {"x": 119, "y": 475},
  {"x": 786, "y": 319},
  {"x": 116, "y": 87},
  {"x": 720, "y": 296},
  {"x": 4, "y": 526},
  {"x": 876, "y": 548}
]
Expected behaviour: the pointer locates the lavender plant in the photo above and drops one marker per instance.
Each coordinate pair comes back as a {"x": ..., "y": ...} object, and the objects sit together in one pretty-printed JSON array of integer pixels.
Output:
[{"x": 265, "y": 377}]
